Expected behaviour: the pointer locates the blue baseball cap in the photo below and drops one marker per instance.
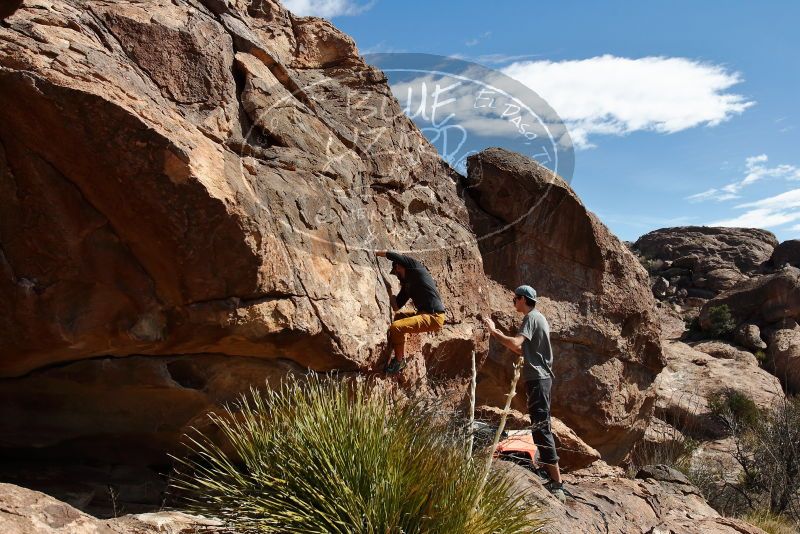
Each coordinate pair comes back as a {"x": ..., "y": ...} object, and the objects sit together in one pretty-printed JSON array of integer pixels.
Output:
[{"x": 526, "y": 291}]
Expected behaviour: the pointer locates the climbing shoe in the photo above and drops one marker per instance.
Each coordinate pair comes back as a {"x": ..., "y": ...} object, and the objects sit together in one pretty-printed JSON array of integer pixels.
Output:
[
  {"x": 557, "y": 490},
  {"x": 395, "y": 366}
]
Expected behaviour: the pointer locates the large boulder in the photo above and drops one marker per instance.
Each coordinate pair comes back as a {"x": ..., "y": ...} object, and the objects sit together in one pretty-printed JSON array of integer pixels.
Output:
[
  {"x": 693, "y": 378},
  {"x": 207, "y": 195},
  {"x": 704, "y": 260},
  {"x": 184, "y": 220},
  {"x": 762, "y": 300},
  {"x": 787, "y": 252},
  {"x": 534, "y": 230},
  {"x": 705, "y": 248},
  {"x": 207, "y": 202}
]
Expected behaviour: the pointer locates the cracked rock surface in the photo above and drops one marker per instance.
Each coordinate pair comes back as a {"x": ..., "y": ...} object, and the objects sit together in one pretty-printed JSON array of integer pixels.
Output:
[{"x": 602, "y": 500}]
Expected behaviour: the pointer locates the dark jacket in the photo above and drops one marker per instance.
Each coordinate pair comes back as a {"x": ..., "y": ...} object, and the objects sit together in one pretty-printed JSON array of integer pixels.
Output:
[{"x": 418, "y": 285}]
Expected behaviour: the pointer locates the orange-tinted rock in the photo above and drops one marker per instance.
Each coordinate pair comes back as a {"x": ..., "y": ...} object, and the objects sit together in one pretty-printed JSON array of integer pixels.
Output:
[{"x": 209, "y": 194}]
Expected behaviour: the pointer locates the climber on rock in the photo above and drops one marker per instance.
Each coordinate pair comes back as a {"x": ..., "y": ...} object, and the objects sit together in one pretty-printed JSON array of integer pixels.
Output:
[
  {"x": 416, "y": 284},
  {"x": 533, "y": 343}
]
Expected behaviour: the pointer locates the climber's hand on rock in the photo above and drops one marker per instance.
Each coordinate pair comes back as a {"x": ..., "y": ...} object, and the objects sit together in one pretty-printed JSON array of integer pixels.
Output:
[{"x": 489, "y": 323}]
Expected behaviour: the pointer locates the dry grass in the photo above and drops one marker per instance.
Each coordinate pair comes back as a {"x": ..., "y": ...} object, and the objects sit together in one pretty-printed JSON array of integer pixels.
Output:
[{"x": 771, "y": 523}]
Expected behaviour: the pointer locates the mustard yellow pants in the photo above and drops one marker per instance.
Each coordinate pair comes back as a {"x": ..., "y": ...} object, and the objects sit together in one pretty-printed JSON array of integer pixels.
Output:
[{"x": 413, "y": 323}]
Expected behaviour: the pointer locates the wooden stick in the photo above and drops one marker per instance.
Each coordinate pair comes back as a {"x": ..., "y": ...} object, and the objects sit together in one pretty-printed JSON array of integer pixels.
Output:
[
  {"x": 503, "y": 417},
  {"x": 472, "y": 407}
]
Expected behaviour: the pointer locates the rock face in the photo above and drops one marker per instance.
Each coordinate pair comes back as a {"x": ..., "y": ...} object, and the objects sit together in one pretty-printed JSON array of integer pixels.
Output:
[
  {"x": 185, "y": 220},
  {"x": 783, "y": 357},
  {"x": 658, "y": 500},
  {"x": 25, "y": 511},
  {"x": 702, "y": 261},
  {"x": 125, "y": 409},
  {"x": 692, "y": 377},
  {"x": 593, "y": 292},
  {"x": 205, "y": 199},
  {"x": 787, "y": 252},
  {"x": 208, "y": 196},
  {"x": 761, "y": 300}
]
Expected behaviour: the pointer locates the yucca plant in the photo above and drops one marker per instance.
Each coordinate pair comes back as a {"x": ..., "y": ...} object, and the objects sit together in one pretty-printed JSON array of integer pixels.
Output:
[{"x": 326, "y": 455}]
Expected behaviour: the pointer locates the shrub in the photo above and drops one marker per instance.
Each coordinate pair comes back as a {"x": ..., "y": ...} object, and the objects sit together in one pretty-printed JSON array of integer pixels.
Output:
[
  {"x": 336, "y": 456},
  {"x": 767, "y": 449},
  {"x": 651, "y": 265},
  {"x": 675, "y": 451},
  {"x": 761, "y": 356},
  {"x": 692, "y": 328},
  {"x": 721, "y": 321},
  {"x": 734, "y": 408}
]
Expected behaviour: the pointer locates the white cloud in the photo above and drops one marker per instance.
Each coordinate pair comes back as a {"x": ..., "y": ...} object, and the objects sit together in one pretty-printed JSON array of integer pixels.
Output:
[
  {"x": 756, "y": 170},
  {"x": 616, "y": 96},
  {"x": 326, "y": 8},
  {"x": 768, "y": 212},
  {"x": 759, "y": 218},
  {"x": 787, "y": 200}
]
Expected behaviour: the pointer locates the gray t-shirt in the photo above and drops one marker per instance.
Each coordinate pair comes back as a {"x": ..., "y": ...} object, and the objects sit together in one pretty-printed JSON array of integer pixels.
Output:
[{"x": 538, "y": 354}]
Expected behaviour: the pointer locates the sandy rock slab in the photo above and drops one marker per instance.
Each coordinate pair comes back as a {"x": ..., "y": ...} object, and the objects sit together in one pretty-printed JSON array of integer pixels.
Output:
[
  {"x": 692, "y": 377},
  {"x": 24, "y": 511},
  {"x": 601, "y": 499}
]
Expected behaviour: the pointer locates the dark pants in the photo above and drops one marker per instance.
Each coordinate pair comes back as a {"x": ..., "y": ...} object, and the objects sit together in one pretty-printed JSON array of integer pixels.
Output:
[{"x": 539, "y": 410}]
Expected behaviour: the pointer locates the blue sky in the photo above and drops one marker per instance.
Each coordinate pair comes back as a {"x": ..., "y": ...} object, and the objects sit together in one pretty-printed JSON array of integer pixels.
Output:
[{"x": 681, "y": 112}]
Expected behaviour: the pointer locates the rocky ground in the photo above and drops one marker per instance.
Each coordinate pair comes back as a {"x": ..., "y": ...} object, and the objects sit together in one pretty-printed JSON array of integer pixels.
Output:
[
  {"x": 604, "y": 500},
  {"x": 183, "y": 222}
]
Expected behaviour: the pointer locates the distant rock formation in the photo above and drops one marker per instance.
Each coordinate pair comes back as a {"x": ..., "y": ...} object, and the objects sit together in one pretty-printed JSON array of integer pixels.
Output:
[
  {"x": 787, "y": 252},
  {"x": 694, "y": 375},
  {"x": 764, "y": 300},
  {"x": 701, "y": 261}
]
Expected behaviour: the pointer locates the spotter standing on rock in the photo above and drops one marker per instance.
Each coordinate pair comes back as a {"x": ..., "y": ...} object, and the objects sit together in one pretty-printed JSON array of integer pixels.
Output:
[
  {"x": 533, "y": 342},
  {"x": 416, "y": 284}
]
